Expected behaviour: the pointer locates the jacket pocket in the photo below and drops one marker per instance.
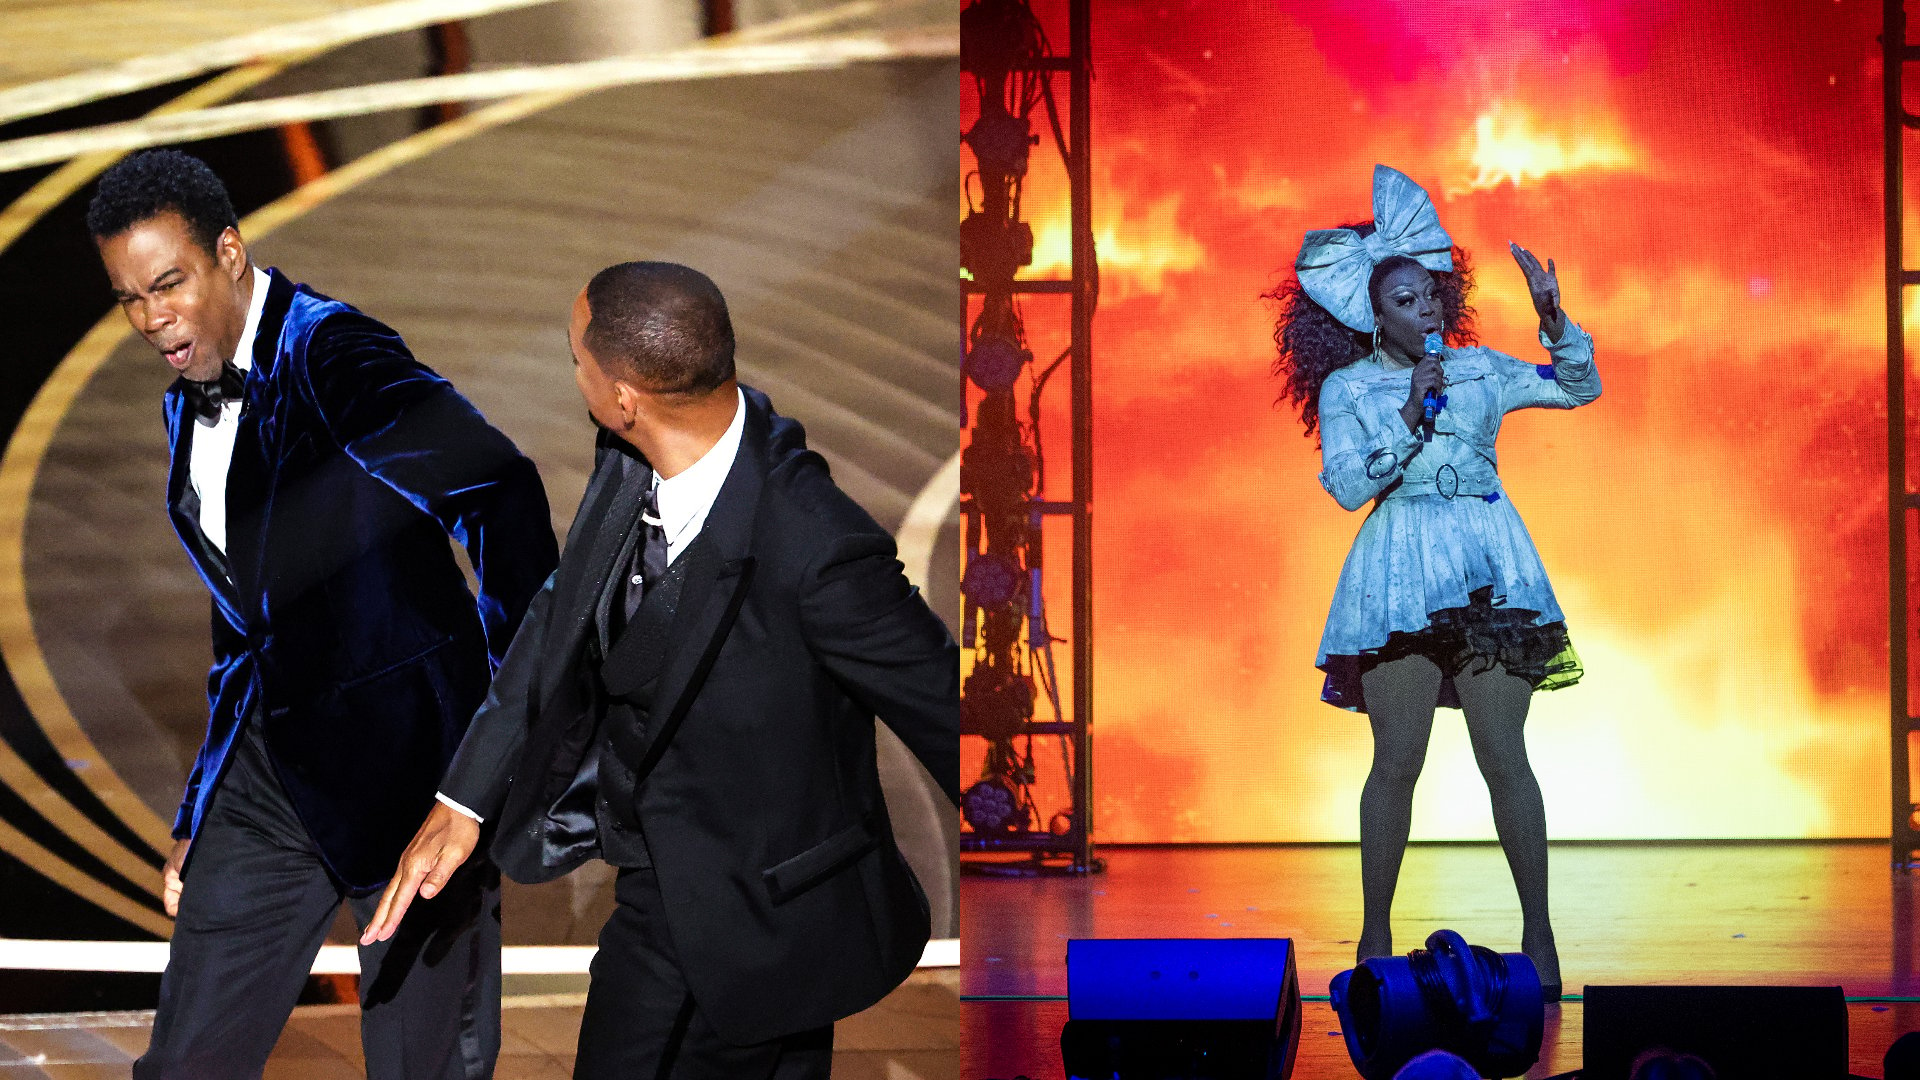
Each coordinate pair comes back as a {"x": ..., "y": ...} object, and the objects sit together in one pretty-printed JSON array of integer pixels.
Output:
[
  {"x": 1472, "y": 409},
  {"x": 389, "y": 668},
  {"x": 814, "y": 865}
]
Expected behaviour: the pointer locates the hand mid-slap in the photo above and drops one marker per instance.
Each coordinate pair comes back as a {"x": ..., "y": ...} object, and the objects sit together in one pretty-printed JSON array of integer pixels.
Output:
[
  {"x": 1544, "y": 284},
  {"x": 442, "y": 844}
]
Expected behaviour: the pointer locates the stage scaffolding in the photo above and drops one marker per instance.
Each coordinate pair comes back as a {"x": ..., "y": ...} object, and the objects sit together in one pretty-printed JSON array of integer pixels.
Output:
[
  {"x": 1004, "y": 509},
  {"x": 1901, "y": 502},
  {"x": 1896, "y": 54}
]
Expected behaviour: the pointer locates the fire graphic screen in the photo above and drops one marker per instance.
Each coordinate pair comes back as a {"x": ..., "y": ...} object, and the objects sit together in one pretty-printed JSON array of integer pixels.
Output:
[{"x": 1707, "y": 179}]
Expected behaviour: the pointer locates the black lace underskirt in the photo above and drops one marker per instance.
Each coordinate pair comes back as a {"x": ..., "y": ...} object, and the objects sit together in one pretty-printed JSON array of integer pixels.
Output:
[{"x": 1465, "y": 640}]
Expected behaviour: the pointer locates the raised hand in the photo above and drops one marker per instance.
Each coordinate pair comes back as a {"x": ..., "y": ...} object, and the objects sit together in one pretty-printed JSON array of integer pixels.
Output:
[
  {"x": 1544, "y": 284},
  {"x": 442, "y": 844}
]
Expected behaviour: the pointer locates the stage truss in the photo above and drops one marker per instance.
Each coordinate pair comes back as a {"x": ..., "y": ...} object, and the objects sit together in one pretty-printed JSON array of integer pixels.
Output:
[
  {"x": 1013, "y": 697},
  {"x": 1901, "y": 502}
]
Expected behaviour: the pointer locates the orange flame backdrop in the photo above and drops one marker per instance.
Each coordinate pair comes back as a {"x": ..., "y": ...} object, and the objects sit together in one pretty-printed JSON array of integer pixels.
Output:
[{"x": 1707, "y": 177}]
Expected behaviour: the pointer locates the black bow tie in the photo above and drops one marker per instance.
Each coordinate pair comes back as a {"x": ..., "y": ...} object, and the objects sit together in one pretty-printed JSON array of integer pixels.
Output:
[{"x": 205, "y": 398}]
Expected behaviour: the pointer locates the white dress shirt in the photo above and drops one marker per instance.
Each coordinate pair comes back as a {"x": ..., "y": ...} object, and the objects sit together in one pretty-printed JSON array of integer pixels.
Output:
[
  {"x": 684, "y": 500},
  {"x": 212, "y": 448}
]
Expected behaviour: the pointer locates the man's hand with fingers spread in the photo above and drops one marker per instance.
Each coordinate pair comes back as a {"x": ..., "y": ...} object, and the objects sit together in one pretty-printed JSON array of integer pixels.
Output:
[{"x": 438, "y": 849}]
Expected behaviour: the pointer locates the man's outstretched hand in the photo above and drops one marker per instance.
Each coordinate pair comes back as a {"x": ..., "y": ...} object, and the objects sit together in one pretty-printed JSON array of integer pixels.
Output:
[{"x": 437, "y": 850}]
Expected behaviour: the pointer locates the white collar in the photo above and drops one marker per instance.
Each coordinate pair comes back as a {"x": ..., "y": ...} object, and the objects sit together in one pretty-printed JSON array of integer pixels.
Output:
[
  {"x": 243, "y": 353},
  {"x": 686, "y": 496}
]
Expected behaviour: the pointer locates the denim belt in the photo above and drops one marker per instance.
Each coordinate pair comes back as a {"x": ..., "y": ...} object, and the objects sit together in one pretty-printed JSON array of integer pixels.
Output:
[{"x": 1448, "y": 483}]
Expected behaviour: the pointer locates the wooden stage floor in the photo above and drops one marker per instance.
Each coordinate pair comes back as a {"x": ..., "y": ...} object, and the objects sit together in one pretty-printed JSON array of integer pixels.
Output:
[
  {"x": 910, "y": 1035},
  {"x": 1005, "y": 1039},
  {"x": 1694, "y": 913}
]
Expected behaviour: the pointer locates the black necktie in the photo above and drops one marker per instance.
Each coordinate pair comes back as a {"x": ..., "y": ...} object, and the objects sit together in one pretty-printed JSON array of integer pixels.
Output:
[
  {"x": 205, "y": 398},
  {"x": 653, "y": 552}
]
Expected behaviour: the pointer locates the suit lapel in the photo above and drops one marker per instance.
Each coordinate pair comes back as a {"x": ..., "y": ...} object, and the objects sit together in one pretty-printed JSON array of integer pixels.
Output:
[
  {"x": 609, "y": 509},
  {"x": 184, "y": 510},
  {"x": 711, "y": 598},
  {"x": 249, "y": 477}
]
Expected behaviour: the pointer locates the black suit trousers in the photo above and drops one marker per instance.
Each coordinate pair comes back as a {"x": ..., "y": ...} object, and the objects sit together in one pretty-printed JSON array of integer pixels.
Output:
[
  {"x": 255, "y": 907},
  {"x": 641, "y": 1023}
]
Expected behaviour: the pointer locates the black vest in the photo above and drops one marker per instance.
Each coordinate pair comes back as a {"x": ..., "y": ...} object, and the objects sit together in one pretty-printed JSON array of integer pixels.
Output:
[{"x": 639, "y": 650}]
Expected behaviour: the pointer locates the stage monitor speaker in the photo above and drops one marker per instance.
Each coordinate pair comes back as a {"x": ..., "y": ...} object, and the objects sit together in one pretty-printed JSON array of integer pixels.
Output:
[
  {"x": 1196, "y": 1009},
  {"x": 1744, "y": 1032}
]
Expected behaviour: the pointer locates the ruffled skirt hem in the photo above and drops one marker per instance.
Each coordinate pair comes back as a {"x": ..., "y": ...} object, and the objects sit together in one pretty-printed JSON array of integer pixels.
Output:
[{"x": 1464, "y": 640}]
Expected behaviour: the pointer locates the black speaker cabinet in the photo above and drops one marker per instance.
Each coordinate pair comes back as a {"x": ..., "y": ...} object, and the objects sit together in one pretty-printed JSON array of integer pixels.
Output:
[
  {"x": 1160, "y": 1009},
  {"x": 1744, "y": 1032}
]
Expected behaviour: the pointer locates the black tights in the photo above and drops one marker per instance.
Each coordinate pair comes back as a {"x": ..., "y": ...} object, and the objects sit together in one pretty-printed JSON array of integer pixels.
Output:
[{"x": 1401, "y": 695}]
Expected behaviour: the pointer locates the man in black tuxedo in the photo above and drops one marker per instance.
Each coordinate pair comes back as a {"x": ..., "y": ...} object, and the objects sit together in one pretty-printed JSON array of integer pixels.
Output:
[
  {"x": 317, "y": 470},
  {"x": 692, "y": 698}
]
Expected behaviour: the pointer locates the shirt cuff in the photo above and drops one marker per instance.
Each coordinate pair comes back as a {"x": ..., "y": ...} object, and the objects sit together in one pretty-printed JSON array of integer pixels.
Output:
[
  {"x": 1570, "y": 332},
  {"x": 1406, "y": 441},
  {"x": 444, "y": 801}
]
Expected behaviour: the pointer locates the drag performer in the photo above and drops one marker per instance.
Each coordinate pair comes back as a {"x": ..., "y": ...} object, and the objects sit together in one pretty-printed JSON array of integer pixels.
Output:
[
  {"x": 692, "y": 699},
  {"x": 1443, "y": 600},
  {"x": 317, "y": 470}
]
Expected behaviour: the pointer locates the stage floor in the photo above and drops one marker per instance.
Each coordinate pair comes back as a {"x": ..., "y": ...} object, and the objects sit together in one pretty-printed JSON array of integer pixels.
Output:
[
  {"x": 1700, "y": 913},
  {"x": 910, "y": 1034},
  {"x": 1005, "y": 1039}
]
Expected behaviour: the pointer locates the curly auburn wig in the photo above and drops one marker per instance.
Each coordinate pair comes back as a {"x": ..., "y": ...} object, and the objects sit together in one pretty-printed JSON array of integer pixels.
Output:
[
  {"x": 1312, "y": 344},
  {"x": 153, "y": 182}
]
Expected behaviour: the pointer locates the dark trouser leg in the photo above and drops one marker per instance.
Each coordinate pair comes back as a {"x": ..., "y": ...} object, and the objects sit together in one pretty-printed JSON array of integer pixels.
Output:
[
  {"x": 1401, "y": 695},
  {"x": 430, "y": 995},
  {"x": 1496, "y": 707},
  {"x": 254, "y": 910},
  {"x": 641, "y": 1023}
]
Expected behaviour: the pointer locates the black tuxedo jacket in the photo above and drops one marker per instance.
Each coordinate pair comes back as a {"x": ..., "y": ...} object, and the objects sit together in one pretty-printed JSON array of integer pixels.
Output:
[
  {"x": 338, "y": 609},
  {"x": 788, "y": 903}
]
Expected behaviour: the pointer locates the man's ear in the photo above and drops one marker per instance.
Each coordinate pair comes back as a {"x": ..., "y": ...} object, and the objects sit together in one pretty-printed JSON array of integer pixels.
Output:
[
  {"x": 232, "y": 252},
  {"x": 628, "y": 398}
]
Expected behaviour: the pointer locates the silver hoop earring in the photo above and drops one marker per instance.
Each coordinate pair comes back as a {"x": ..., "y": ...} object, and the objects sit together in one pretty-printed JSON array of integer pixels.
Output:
[{"x": 1376, "y": 339}]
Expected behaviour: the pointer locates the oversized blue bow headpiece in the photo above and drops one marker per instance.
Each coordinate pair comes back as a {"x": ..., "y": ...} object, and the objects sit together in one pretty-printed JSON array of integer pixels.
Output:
[{"x": 1334, "y": 264}]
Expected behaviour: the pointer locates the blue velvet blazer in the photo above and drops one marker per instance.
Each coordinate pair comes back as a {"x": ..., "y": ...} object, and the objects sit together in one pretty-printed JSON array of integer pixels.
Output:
[{"x": 339, "y": 611}]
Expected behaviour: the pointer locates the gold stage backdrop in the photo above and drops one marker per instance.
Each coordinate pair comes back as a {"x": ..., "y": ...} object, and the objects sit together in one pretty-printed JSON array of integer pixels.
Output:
[{"x": 1707, "y": 177}]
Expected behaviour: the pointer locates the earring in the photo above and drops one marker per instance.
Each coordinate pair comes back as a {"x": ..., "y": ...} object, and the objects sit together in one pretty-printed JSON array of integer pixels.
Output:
[{"x": 1376, "y": 339}]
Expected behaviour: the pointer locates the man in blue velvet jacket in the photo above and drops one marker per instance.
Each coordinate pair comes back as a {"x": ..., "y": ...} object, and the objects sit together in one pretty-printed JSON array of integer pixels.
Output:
[{"x": 317, "y": 470}]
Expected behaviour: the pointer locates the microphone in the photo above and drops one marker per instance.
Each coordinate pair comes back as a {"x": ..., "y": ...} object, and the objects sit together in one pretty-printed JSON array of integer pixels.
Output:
[{"x": 1431, "y": 403}]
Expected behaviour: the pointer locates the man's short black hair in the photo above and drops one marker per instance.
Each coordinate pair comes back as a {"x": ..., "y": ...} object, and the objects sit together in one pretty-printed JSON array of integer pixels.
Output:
[
  {"x": 662, "y": 324},
  {"x": 153, "y": 182}
]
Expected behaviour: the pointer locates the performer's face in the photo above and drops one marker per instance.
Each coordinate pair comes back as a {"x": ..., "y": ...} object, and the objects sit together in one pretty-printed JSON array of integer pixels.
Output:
[
  {"x": 596, "y": 386},
  {"x": 188, "y": 302},
  {"x": 1408, "y": 309}
]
